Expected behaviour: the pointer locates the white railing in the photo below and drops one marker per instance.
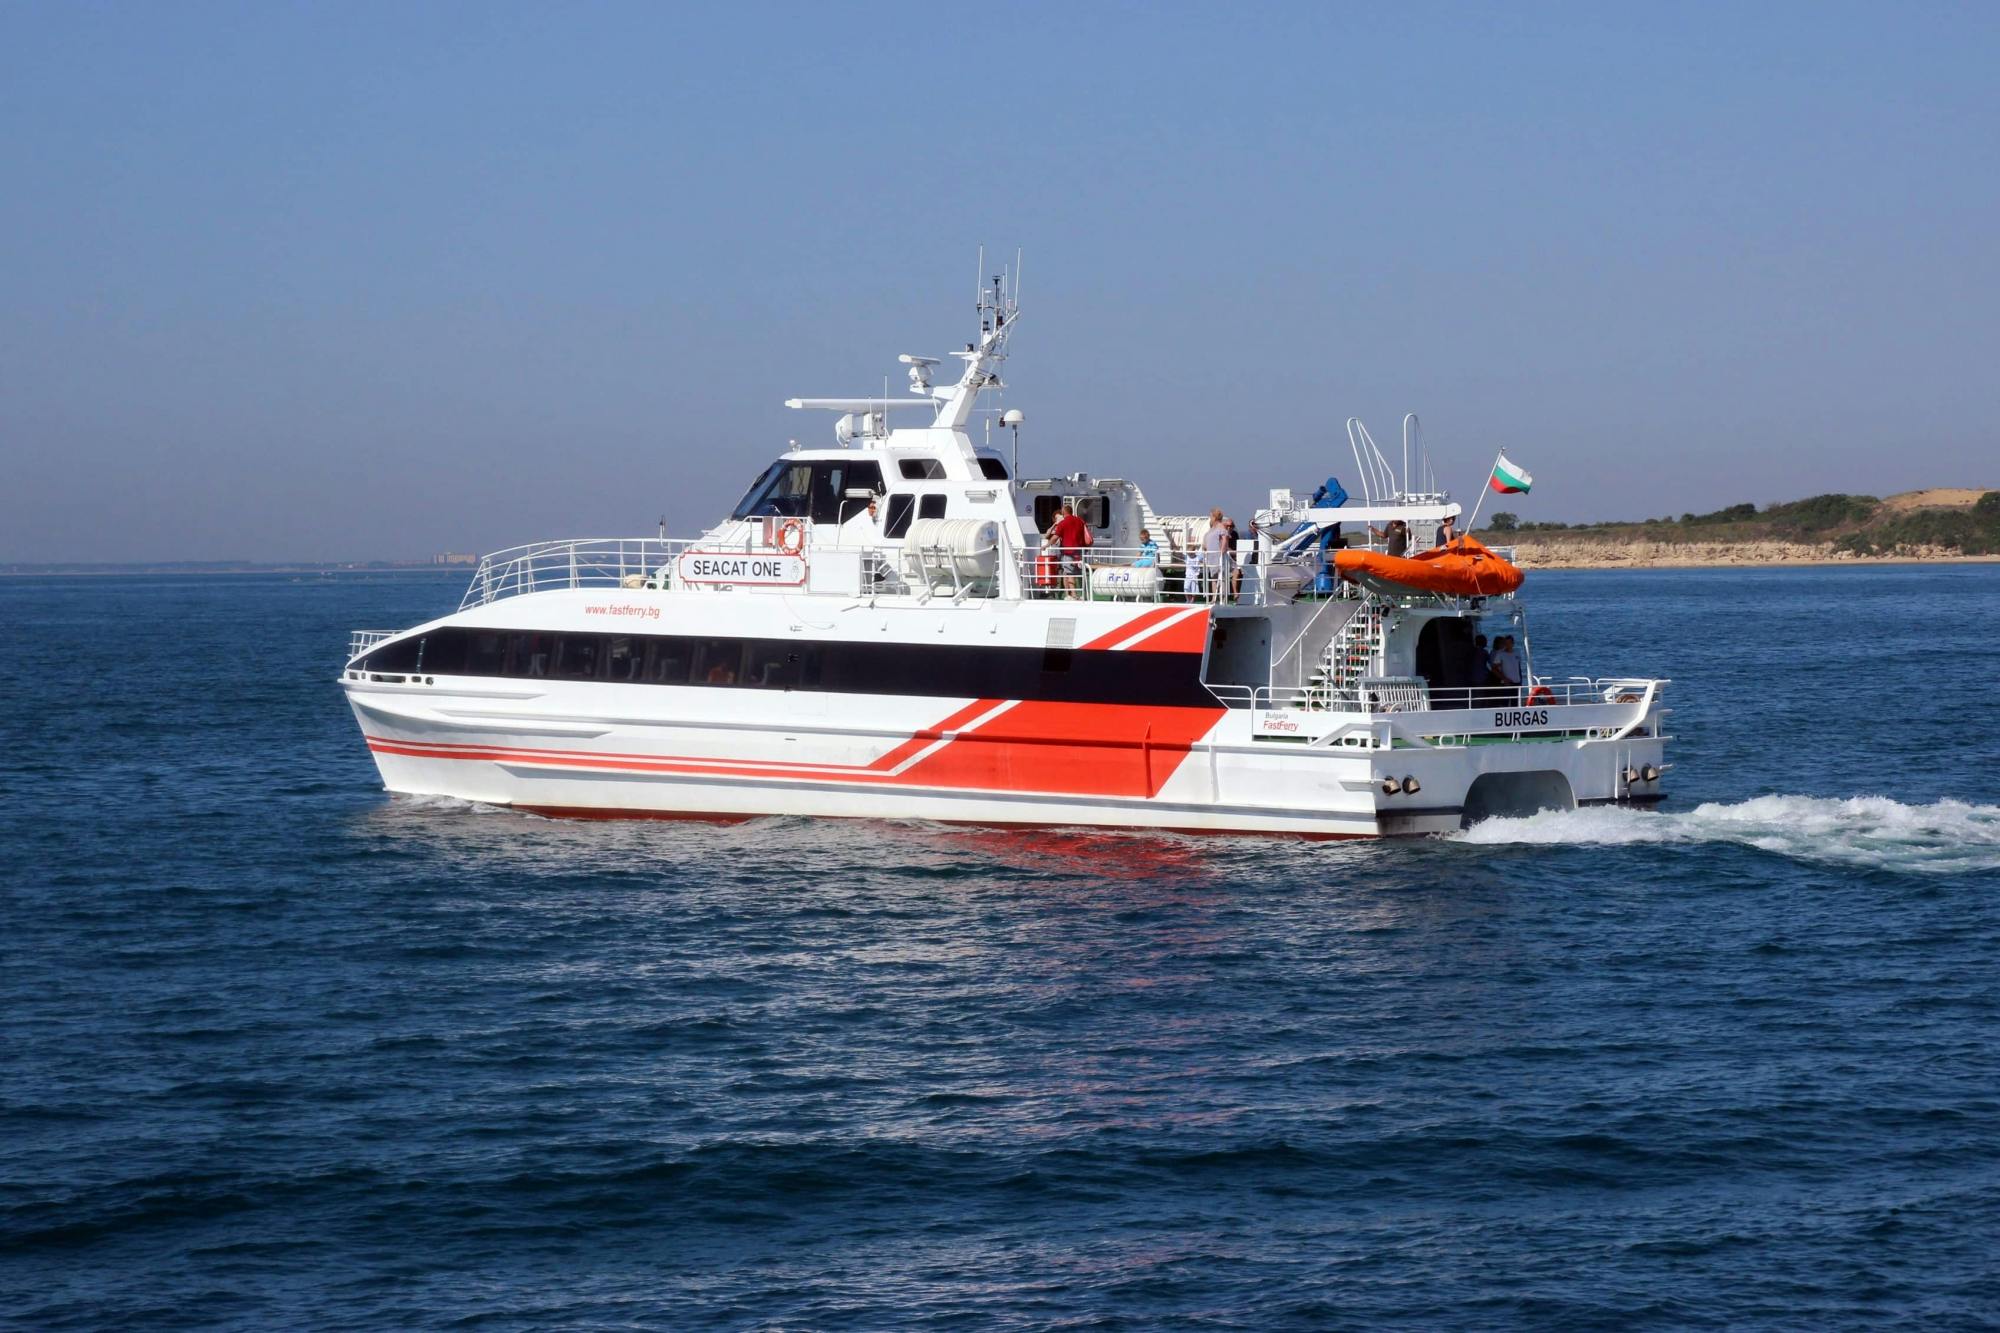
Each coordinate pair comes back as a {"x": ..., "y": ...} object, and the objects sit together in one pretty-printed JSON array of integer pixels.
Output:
[
  {"x": 361, "y": 640},
  {"x": 1413, "y": 694},
  {"x": 1131, "y": 574},
  {"x": 584, "y": 562}
]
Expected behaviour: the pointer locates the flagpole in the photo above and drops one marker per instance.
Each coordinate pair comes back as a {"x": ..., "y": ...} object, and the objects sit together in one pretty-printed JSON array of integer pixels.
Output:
[{"x": 1484, "y": 487}]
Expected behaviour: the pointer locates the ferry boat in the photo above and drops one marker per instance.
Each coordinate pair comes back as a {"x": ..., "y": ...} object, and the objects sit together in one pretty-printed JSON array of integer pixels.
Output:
[{"x": 881, "y": 629}]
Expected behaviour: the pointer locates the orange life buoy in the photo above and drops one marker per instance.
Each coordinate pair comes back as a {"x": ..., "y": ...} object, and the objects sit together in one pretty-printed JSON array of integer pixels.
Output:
[
  {"x": 1541, "y": 694},
  {"x": 792, "y": 537}
]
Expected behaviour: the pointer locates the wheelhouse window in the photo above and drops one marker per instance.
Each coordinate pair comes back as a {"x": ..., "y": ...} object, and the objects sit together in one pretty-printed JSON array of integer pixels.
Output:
[
  {"x": 791, "y": 488},
  {"x": 992, "y": 469},
  {"x": 921, "y": 469},
  {"x": 930, "y": 506},
  {"x": 896, "y": 518}
]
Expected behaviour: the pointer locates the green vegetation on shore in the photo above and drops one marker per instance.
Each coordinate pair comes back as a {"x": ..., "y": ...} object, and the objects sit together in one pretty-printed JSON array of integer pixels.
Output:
[{"x": 1856, "y": 524}]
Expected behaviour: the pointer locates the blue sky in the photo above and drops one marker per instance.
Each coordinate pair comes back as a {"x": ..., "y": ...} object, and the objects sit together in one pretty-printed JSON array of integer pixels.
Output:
[{"x": 358, "y": 281}]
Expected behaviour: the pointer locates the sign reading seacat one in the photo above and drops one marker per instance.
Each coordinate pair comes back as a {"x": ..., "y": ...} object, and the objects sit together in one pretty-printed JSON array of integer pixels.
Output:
[{"x": 742, "y": 568}]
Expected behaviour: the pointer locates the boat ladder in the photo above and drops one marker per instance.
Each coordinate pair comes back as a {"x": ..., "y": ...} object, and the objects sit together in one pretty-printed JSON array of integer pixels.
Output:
[{"x": 1349, "y": 655}]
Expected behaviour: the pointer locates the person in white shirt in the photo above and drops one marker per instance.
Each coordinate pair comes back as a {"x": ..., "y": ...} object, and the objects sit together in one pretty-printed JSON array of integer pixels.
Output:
[{"x": 1214, "y": 555}]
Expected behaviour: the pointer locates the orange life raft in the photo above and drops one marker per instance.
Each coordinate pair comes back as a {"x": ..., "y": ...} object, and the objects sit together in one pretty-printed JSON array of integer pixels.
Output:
[{"x": 1463, "y": 569}]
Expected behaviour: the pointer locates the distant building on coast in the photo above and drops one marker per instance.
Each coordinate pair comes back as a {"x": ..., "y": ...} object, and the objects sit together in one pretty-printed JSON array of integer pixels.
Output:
[{"x": 454, "y": 558}]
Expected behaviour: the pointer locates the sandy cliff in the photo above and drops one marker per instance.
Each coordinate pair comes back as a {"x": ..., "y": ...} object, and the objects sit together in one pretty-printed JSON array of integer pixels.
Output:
[{"x": 1536, "y": 553}]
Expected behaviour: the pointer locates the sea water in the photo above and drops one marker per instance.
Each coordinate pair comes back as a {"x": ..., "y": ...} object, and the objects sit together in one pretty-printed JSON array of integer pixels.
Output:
[{"x": 279, "y": 1049}]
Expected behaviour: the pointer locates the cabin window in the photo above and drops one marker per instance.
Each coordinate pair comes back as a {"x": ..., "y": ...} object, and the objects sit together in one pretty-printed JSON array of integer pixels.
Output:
[
  {"x": 921, "y": 469},
  {"x": 530, "y": 654},
  {"x": 669, "y": 661},
  {"x": 818, "y": 491},
  {"x": 444, "y": 654},
  {"x": 577, "y": 656},
  {"x": 930, "y": 506},
  {"x": 896, "y": 519},
  {"x": 992, "y": 469},
  {"x": 1094, "y": 510},
  {"x": 400, "y": 658},
  {"x": 624, "y": 659},
  {"x": 485, "y": 652},
  {"x": 773, "y": 666},
  {"x": 831, "y": 484},
  {"x": 1046, "y": 509},
  {"x": 719, "y": 661}
]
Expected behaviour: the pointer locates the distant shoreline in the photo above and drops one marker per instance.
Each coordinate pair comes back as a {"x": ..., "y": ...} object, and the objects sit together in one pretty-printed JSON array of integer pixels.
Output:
[
  {"x": 155, "y": 571},
  {"x": 1749, "y": 556}
]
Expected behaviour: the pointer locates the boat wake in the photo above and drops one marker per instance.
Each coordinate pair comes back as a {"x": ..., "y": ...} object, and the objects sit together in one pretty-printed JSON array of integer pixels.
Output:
[{"x": 1866, "y": 832}]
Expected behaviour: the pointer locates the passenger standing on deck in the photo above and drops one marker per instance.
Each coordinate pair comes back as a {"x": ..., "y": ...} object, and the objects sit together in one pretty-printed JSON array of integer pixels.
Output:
[
  {"x": 1072, "y": 535},
  {"x": 1396, "y": 536},
  {"x": 1478, "y": 667},
  {"x": 1235, "y": 561},
  {"x": 1506, "y": 664},
  {"x": 1445, "y": 533},
  {"x": 1214, "y": 555}
]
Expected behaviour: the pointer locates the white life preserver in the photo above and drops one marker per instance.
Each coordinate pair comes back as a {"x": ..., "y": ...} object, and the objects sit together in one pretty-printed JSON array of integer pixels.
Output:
[{"x": 792, "y": 537}]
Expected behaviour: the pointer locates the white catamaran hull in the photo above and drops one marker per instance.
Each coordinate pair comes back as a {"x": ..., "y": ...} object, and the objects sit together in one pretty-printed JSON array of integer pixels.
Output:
[{"x": 1176, "y": 759}]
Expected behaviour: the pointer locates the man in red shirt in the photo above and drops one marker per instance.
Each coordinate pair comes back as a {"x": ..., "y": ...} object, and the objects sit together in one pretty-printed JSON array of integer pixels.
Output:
[{"x": 1072, "y": 536}]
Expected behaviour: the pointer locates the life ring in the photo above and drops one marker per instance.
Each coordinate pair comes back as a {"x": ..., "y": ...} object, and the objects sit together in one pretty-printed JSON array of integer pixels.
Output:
[
  {"x": 792, "y": 537},
  {"x": 1541, "y": 694}
]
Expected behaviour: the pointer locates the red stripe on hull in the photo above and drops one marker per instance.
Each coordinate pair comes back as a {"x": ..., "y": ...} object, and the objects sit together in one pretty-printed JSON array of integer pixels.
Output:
[
  {"x": 1069, "y": 749},
  {"x": 1063, "y": 749},
  {"x": 1133, "y": 626}
]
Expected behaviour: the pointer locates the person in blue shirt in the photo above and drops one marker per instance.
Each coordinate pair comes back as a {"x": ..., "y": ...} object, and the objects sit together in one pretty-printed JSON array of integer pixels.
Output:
[{"x": 1149, "y": 551}]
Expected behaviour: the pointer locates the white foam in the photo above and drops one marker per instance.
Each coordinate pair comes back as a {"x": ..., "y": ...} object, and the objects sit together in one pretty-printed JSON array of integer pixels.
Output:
[{"x": 1864, "y": 831}]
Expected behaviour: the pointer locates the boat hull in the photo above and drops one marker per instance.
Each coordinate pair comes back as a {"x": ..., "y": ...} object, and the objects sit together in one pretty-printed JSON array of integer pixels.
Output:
[{"x": 689, "y": 758}]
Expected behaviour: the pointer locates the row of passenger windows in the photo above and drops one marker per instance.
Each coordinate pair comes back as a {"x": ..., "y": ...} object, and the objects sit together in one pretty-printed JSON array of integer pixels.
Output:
[
  {"x": 943, "y": 670},
  {"x": 619, "y": 658}
]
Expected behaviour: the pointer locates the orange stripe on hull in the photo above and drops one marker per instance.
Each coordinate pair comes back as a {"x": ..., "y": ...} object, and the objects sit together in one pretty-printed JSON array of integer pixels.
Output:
[
  {"x": 1063, "y": 749},
  {"x": 1069, "y": 749}
]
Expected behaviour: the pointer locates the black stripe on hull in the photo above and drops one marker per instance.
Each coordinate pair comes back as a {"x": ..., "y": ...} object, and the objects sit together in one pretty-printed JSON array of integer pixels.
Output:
[{"x": 945, "y": 671}]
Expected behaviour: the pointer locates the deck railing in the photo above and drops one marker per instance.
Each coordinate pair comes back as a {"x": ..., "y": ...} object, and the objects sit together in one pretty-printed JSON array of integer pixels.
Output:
[
  {"x": 361, "y": 640},
  {"x": 584, "y": 562},
  {"x": 1413, "y": 694},
  {"x": 1134, "y": 574}
]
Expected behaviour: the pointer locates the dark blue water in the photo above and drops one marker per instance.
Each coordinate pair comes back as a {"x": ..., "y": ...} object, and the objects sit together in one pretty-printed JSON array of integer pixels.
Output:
[{"x": 276, "y": 1049}]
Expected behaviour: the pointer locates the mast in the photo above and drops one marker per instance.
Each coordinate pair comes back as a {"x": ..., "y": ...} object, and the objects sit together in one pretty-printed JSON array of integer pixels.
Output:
[{"x": 998, "y": 309}]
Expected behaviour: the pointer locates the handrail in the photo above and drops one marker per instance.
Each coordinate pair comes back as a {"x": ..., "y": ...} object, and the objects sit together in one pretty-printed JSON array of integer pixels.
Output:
[
  {"x": 361, "y": 640},
  {"x": 581, "y": 562},
  {"x": 1115, "y": 573}
]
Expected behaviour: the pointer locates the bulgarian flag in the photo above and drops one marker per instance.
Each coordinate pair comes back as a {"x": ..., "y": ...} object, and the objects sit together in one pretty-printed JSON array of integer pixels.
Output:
[{"x": 1509, "y": 479}]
